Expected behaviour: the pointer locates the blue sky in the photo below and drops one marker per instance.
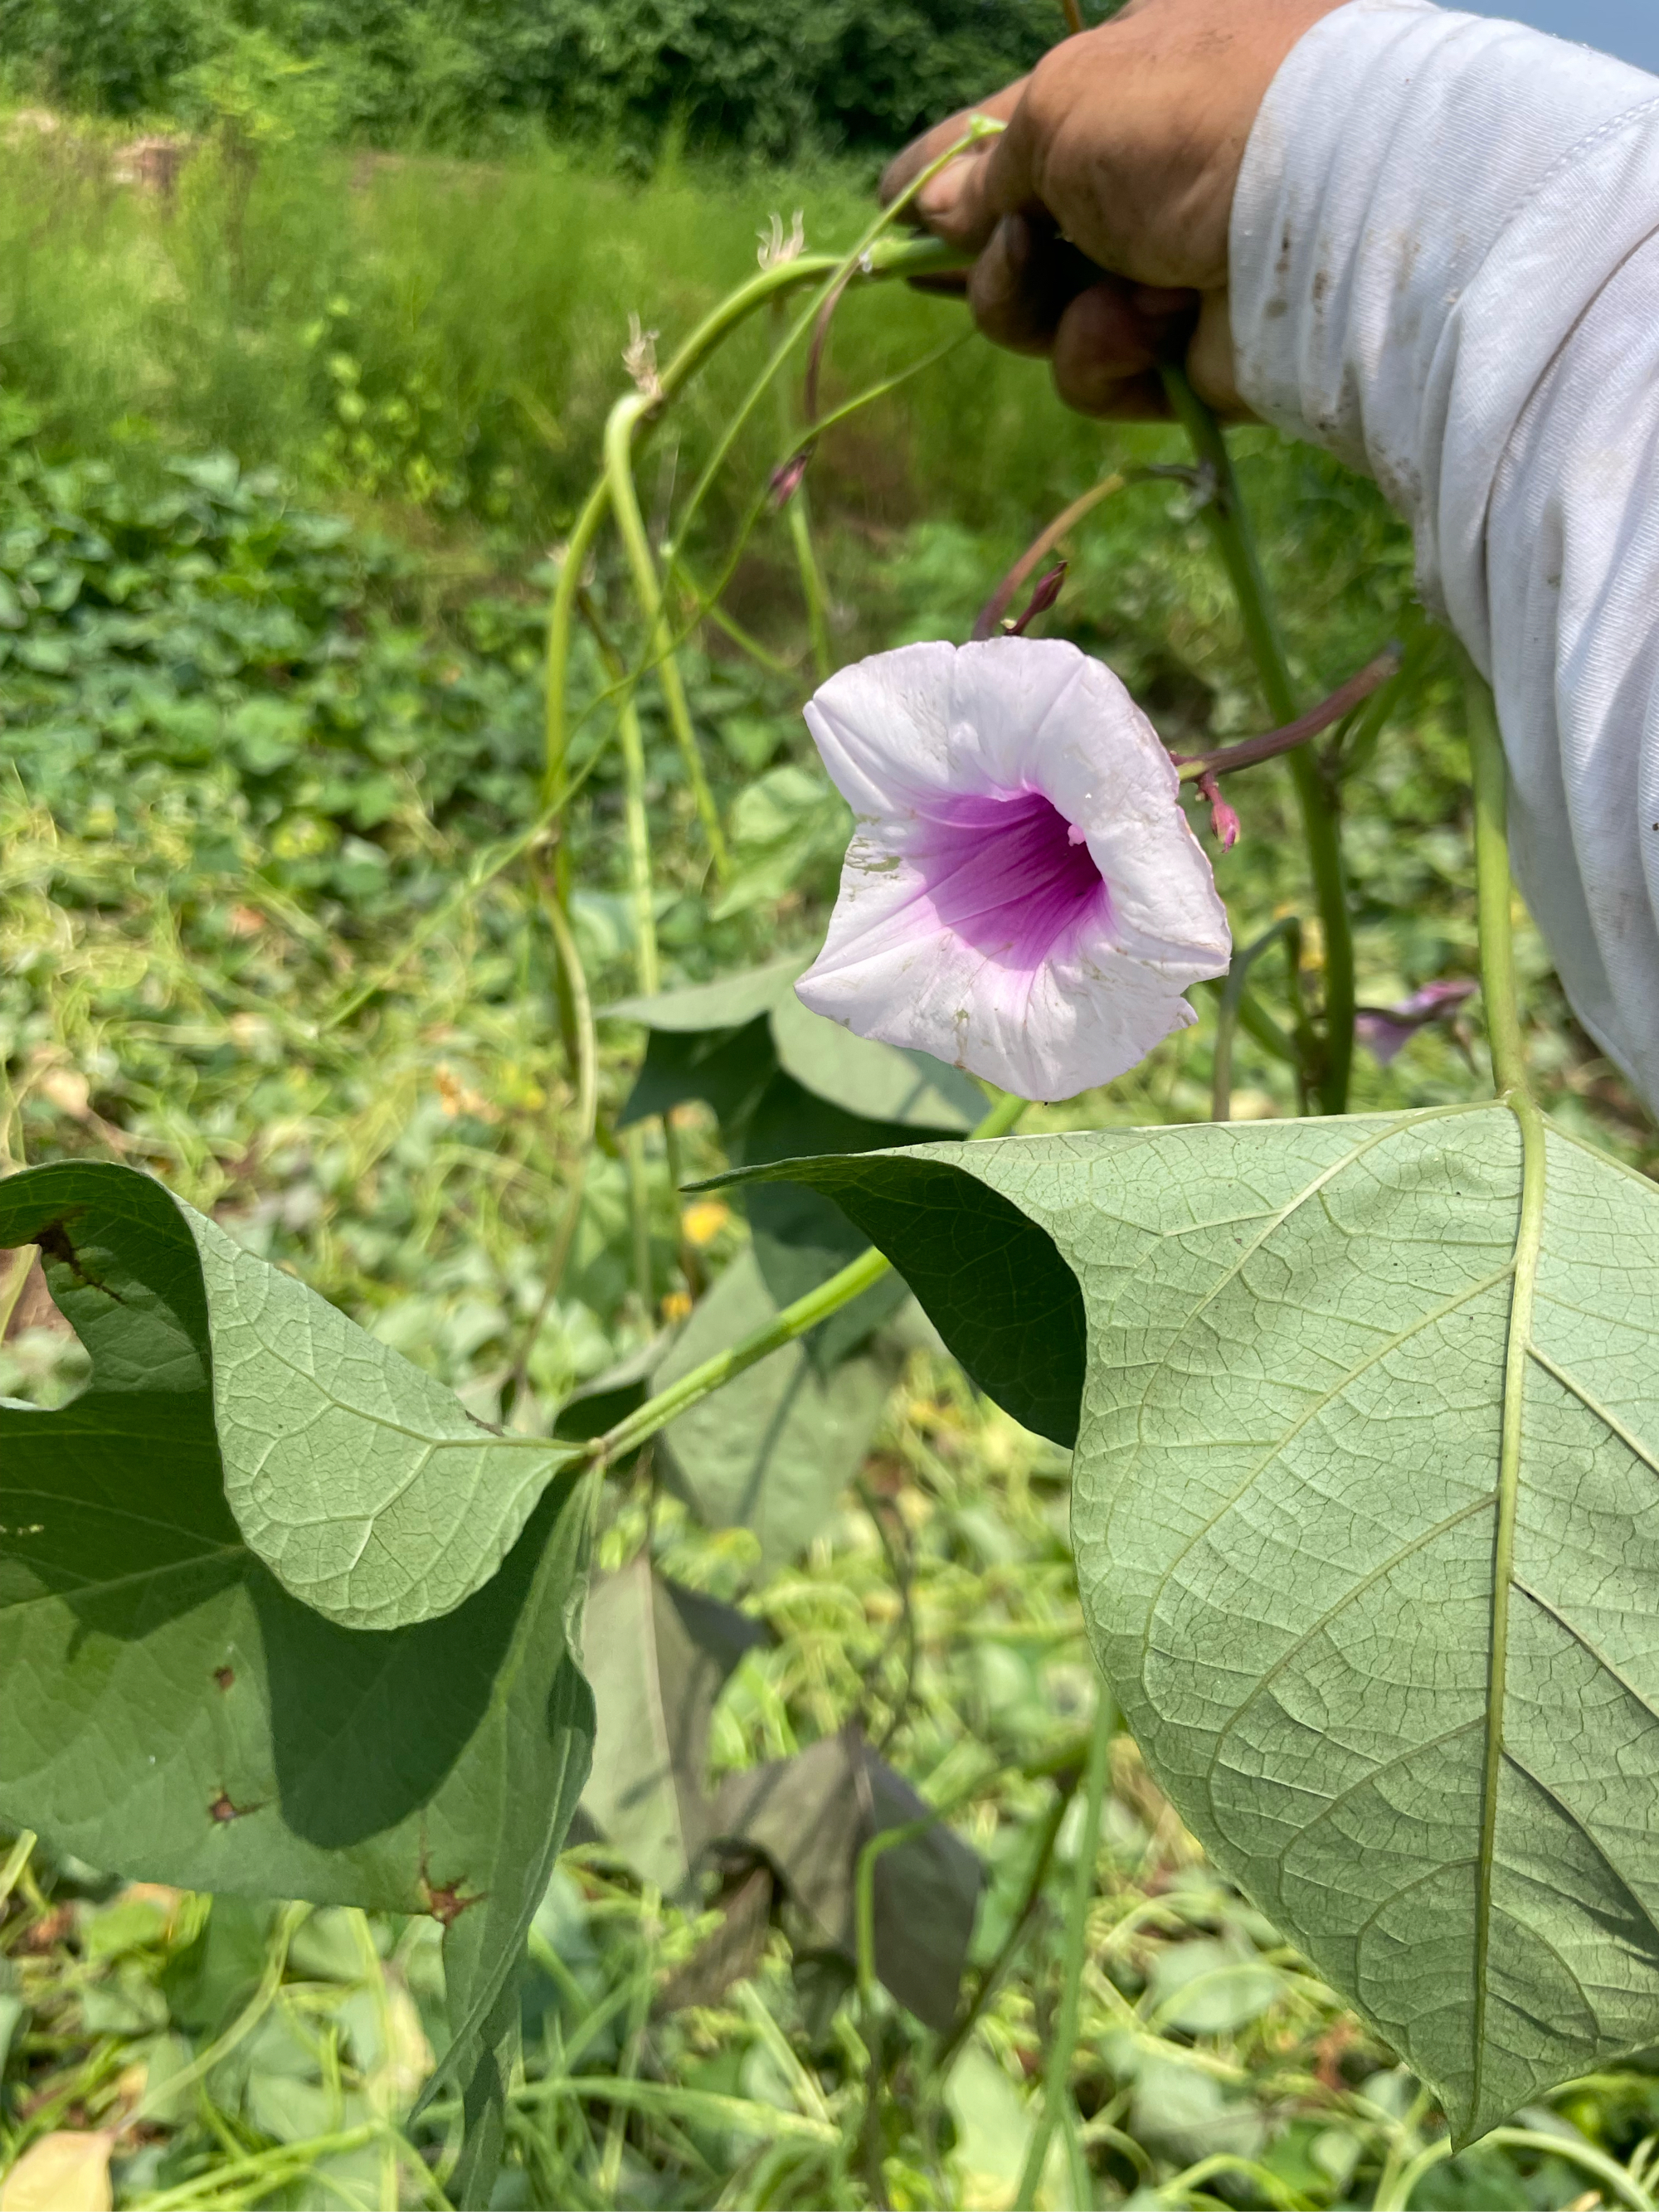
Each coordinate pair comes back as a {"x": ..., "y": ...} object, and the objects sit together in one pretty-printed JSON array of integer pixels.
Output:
[{"x": 1629, "y": 28}]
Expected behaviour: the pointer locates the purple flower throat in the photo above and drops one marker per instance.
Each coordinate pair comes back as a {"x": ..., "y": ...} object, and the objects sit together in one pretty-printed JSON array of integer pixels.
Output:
[{"x": 1011, "y": 876}]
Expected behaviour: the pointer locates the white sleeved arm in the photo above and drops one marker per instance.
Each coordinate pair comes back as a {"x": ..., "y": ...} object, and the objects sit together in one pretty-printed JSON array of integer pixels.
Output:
[{"x": 1445, "y": 267}]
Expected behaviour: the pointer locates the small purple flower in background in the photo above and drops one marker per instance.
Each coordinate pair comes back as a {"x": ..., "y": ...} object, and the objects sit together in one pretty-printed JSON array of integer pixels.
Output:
[
  {"x": 1022, "y": 896},
  {"x": 1385, "y": 1029}
]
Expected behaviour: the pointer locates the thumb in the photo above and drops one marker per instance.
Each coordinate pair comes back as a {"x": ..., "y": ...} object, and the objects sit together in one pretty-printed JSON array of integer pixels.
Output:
[{"x": 964, "y": 201}]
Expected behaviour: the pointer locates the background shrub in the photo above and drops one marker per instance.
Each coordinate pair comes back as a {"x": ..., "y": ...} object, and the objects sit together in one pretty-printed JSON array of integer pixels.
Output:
[{"x": 847, "y": 75}]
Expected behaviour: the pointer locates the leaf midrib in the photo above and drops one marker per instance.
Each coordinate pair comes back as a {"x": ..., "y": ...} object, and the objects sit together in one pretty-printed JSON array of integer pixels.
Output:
[
  {"x": 1528, "y": 1243},
  {"x": 432, "y": 1442},
  {"x": 220, "y": 1553},
  {"x": 1270, "y": 1452}
]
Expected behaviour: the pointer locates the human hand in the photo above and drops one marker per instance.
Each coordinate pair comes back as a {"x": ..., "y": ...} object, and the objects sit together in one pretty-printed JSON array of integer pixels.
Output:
[{"x": 1099, "y": 216}]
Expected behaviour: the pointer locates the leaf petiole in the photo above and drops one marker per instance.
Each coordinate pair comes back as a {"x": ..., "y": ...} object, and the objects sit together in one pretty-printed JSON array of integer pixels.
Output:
[
  {"x": 1493, "y": 889},
  {"x": 793, "y": 1321}
]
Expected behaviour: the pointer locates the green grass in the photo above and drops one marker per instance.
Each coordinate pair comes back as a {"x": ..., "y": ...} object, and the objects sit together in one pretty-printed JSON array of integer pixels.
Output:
[{"x": 260, "y": 727}]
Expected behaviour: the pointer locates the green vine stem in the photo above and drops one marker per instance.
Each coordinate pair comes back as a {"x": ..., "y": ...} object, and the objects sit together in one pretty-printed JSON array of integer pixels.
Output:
[
  {"x": 585, "y": 1037},
  {"x": 1288, "y": 931},
  {"x": 1229, "y": 530},
  {"x": 783, "y": 1328},
  {"x": 1062, "y": 2044},
  {"x": 647, "y": 967},
  {"x": 1493, "y": 890},
  {"x": 887, "y": 259},
  {"x": 636, "y": 544},
  {"x": 798, "y": 519},
  {"x": 1398, "y": 2195}
]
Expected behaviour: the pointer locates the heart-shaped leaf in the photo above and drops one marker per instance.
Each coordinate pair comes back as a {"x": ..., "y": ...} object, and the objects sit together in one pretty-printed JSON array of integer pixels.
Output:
[
  {"x": 1367, "y": 1516},
  {"x": 174, "y": 1714},
  {"x": 363, "y": 1485}
]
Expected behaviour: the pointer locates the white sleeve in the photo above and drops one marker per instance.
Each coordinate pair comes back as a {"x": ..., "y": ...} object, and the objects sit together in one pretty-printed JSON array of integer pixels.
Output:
[{"x": 1445, "y": 267}]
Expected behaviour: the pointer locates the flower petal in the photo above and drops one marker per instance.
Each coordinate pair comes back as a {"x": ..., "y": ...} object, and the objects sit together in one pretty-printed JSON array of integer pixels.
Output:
[{"x": 971, "y": 922}]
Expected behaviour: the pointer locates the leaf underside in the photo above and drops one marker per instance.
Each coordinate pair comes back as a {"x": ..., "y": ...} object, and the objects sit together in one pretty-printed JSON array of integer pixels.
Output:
[
  {"x": 172, "y": 1712},
  {"x": 1366, "y": 1507}
]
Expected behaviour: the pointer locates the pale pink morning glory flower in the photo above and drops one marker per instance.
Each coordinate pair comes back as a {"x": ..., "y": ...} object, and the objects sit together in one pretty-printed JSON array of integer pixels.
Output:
[{"x": 1022, "y": 896}]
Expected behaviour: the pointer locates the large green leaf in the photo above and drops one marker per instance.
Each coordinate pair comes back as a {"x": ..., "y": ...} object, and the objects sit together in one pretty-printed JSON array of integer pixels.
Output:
[
  {"x": 719, "y": 1042},
  {"x": 726, "y": 1069},
  {"x": 1367, "y": 1516},
  {"x": 362, "y": 1484},
  {"x": 172, "y": 1713}
]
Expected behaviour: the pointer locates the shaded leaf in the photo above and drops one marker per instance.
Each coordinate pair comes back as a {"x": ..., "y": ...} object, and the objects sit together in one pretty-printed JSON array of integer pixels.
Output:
[
  {"x": 884, "y": 1082},
  {"x": 813, "y": 1815},
  {"x": 657, "y": 1656},
  {"x": 773, "y": 1449},
  {"x": 718, "y": 1046},
  {"x": 361, "y": 1482},
  {"x": 729, "y": 1003},
  {"x": 174, "y": 1714},
  {"x": 801, "y": 1237},
  {"x": 1367, "y": 1514},
  {"x": 734, "y": 1952},
  {"x": 990, "y": 1276},
  {"x": 726, "y": 1069}
]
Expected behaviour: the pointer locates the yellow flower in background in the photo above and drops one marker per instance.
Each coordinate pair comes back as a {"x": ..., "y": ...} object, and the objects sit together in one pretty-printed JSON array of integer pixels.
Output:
[{"x": 703, "y": 1221}]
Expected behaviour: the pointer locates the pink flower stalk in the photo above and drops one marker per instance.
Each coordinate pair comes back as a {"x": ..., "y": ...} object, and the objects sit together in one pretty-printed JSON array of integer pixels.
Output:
[{"x": 1022, "y": 896}]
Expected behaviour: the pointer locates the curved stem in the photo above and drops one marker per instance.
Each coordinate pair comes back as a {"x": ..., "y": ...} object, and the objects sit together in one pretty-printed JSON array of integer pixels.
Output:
[
  {"x": 1238, "y": 976},
  {"x": 647, "y": 970},
  {"x": 1397, "y": 2197},
  {"x": 1057, "y": 2075},
  {"x": 574, "y": 992},
  {"x": 619, "y": 431},
  {"x": 1229, "y": 527},
  {"x": 906, "y": 259},
  {"x": 800, "y": 524},
  {"x": 1493, "y": 890},
  {"x": 559, "y": 623},
  {"x": 856, "y": 1278}
]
